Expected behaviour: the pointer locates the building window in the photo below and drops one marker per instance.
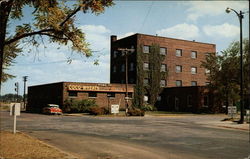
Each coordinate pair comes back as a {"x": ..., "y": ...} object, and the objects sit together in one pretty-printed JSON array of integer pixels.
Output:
[
  {"x": 115, "y": 53},
  {"x": 163, "y": 83},
  {"x": 193, "y": 83},
  {"x": 131, "y": 66},
  {"x": 123, "y": 68},
  {"x": 92, "y": 94},
  {"x": 145, "y": 49},
  {"x": 189, "y": 100},
  {"x": 178, "y": 69},
  {"x": 178, "y": 52},
  {"x": 111, "y": 95},
  {"x": 193, "y": 70},
  {"x": 145, "y": 66},
  {"x": 206, "y": 101},
  {"x": 193, "y": 54},
  {"x": 178, "y": 83},
  {"x": 72, "y": 94},
  {"x": 163, "y": 68},
  {"x": 114, "y": 69},
  {"x": 145, "y": 81},
  {"x": 163, "y": 51}
]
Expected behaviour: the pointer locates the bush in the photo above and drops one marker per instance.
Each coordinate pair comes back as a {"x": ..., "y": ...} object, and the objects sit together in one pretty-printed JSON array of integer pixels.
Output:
[
  {"x": 136, "y": 112},
  {"x": 98, "y": 111},
  {"x": 148, "y": 107},
  {"x": 78, "y": 106}
]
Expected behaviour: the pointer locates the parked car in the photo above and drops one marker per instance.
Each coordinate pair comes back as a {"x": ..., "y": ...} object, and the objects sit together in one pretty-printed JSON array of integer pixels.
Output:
[{"x": 52, "y": 109}]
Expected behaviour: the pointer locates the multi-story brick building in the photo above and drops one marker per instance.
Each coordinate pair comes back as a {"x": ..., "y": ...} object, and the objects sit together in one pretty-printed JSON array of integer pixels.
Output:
[{"x": 182, "y": 59}]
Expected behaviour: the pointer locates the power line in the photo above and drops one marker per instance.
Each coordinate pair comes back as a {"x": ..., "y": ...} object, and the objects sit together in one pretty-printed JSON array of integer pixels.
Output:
[{"x": 150, "y": 7}]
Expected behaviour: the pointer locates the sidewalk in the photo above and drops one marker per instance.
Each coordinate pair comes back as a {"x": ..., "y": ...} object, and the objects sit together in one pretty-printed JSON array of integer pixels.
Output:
[{"x": 228, "y": 124}]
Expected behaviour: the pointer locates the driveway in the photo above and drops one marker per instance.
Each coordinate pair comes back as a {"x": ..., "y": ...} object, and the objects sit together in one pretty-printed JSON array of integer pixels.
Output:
[{"x": 150, "y": 137}]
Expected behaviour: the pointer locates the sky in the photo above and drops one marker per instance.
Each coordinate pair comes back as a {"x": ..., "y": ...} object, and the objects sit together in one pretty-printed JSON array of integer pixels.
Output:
[{"x": 202, "y": 21}]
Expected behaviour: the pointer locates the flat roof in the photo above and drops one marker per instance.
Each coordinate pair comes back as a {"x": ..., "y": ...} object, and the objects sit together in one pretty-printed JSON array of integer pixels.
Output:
[{"x": 166, "y": 38}]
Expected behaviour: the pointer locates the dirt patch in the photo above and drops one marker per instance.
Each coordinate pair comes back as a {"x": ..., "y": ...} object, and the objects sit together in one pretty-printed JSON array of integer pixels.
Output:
[{"x": 21, "y": 146}]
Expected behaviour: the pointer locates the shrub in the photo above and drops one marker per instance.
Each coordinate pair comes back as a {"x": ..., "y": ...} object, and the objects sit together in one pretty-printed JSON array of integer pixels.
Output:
[
  {"x": 136, "y": 112},
  {"x": 148, "y": 107},
  {"x": 78, "y": 106},
  {"x": 98, "y": 111}
]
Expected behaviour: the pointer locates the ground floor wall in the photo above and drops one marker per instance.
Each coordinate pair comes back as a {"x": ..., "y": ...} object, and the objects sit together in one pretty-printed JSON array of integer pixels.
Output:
[{"x": 188, "y": 99}]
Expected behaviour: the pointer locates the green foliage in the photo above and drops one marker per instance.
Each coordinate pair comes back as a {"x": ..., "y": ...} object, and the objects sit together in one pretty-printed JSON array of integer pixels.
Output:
[
  {"x": 148, "y": 107},
  {"x": 11, "y": 98},
  {"x": 51, "y": 18},
  {"x": 139, "y": 88},
  {"x": 224, "y": 73},
  {"x": 155, "y": 74},
  {"x": 78, "y": 106}
]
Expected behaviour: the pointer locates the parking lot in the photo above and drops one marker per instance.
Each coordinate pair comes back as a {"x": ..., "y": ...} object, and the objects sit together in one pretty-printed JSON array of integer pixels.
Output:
[{"x": 162, "y": 137}]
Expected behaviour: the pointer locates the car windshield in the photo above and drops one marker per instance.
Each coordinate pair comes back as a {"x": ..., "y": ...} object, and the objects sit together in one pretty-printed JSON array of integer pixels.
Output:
[{"x": 53, "y": 105}]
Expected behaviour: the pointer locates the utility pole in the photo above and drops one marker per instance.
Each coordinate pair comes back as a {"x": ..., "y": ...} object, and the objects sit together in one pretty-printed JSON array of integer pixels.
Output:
[
  {"x": 24, "y": 91},
  {"x": 16, "y": 90},
  {"x": 126, "y": 50}
]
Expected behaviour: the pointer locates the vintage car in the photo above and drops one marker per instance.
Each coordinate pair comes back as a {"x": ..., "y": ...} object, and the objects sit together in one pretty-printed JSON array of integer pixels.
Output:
[{"x": 52, "y": 109}]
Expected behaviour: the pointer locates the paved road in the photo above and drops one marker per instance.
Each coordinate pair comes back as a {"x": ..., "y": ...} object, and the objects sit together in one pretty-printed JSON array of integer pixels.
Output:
[{"x": 171, "y": 137}]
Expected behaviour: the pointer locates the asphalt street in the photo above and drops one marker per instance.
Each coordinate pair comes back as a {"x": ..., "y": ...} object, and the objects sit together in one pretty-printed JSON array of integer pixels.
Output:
[{"x": 150, "y": 137}]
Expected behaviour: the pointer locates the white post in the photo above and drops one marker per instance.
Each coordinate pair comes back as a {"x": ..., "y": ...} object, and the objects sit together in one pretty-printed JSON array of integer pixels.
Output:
[{"x": 14, "y": 129}]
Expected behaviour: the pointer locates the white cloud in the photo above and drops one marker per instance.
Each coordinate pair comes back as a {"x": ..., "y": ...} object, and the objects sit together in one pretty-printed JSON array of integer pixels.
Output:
[
  {"x": 97, "y": 36},
  {"x": 96, "y": 29},
  {"x": 224, "y": 30},
  {"x": 125, "y": 35},
  {"x": 180, "y": 31},
  {"x": 212, "y": 8}
]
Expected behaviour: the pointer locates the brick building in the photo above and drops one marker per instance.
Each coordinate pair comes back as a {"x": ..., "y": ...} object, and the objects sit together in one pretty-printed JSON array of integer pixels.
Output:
[
  {"x": 182, "y": 59},
  {"x": 184, "y": 85},
  {"x": 57, "y": 93}
]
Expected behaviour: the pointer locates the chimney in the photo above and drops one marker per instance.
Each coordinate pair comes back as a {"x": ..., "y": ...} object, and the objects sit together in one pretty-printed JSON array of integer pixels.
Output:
[{"x": 113, "y": 38}]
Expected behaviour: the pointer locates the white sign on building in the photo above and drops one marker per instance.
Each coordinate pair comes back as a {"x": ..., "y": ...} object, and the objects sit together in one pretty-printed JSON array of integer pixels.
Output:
[{"x": 114, "y": 108}]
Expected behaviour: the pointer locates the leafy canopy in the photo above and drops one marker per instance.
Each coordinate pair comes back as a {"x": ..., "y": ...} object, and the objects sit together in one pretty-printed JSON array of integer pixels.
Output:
[{"x": 54, "y": 19}]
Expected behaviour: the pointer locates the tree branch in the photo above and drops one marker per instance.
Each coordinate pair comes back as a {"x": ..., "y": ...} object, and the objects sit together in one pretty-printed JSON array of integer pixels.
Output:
[
  {"x": 26, "y": 35},
  {"x": 70, "y": 15},
  {"x": 54, "y": 36}
]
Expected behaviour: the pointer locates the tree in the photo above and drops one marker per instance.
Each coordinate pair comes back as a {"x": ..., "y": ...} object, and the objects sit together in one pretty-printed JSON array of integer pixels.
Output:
[
  {"x": 52, "y": 18},
  {"x": 224, "y": 73},
  {"x": 154, "y": 75}
]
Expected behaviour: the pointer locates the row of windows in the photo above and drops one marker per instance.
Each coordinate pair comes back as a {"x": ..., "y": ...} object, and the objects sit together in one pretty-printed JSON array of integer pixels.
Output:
[
  {"x": 163, "y": 82},
  {"x": 178, "y": 68},
  {"x": 163, "y": 51},
  {"x": 131, "y": 67},
  {"x": 178, "y": 83},
  {"x": 146, "y": 67},
  {"x": 94, "y": 94}
]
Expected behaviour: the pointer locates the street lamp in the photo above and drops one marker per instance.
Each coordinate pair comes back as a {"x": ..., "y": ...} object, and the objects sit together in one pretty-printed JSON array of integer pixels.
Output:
[{"x": 240, "y": 16}]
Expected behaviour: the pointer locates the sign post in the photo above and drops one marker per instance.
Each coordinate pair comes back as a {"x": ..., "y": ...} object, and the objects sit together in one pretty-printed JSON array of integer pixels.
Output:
[{"x": 15, "y": 111}]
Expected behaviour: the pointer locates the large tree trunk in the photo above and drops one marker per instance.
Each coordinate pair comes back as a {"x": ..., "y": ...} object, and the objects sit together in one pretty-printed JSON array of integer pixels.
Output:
[{"x": 5, "y": 8}]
